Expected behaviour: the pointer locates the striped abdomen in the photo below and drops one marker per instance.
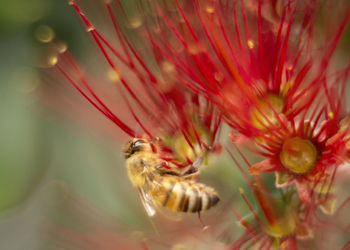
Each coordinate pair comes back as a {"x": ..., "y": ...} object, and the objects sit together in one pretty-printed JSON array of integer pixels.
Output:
[{"x": 181, "y": 195}]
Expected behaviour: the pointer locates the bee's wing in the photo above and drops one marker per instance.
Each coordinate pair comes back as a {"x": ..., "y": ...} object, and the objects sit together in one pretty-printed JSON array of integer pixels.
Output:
[
  {"x": 158, "y": 188},
  {"x": 198, "y": 162},
  {"x": 147, "y": 202}
]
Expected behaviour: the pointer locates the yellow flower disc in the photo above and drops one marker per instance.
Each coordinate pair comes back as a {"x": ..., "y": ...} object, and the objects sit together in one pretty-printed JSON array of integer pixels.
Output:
[{"x": 298, "y": 155}]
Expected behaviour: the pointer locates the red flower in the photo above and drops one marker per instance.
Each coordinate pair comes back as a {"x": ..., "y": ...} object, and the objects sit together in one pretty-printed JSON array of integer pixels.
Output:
[
  {"x": 152, "y": 90},
  {"x": 179, "y": 67},
  {"x": 281, "y": 220},
  {"x": 306, "y": 151}
]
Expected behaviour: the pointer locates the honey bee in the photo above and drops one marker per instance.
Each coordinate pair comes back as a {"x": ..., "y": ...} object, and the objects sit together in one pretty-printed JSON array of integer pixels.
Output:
[{"x": 161, "y": 187}]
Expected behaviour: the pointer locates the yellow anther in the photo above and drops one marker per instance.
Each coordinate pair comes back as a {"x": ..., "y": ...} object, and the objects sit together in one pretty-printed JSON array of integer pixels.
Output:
[
  {"x": 210, "y": 9},
  {"x": 90, "y": 28},
  {"x": 113, "y": 75},
  {"x": 250, "y": 44}
]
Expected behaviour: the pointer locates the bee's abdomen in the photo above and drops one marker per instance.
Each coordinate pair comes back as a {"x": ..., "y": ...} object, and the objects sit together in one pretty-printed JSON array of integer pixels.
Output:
[{"x": 187, "y": 196}]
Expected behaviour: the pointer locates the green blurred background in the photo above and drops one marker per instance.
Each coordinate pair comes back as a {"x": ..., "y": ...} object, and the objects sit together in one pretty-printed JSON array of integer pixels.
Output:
[{"x": 61, "y": 178}]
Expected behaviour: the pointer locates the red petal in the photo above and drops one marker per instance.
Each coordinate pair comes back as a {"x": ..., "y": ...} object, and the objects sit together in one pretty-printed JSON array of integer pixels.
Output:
[{"x": 266, "y": 165}]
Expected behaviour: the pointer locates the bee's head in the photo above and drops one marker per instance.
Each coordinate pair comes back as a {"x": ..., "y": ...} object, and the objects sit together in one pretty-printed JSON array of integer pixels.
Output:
[{"x": 136, "y": 145}]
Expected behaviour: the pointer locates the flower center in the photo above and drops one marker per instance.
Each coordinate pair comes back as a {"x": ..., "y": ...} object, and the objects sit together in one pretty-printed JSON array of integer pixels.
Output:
[
  {"x": 298, "y": 155},
  {"x": 265, "y": 116}
]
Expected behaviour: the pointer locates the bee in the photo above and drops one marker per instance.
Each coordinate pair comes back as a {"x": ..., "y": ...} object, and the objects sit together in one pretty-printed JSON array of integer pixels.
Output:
[{"x": 161, "y": 187}]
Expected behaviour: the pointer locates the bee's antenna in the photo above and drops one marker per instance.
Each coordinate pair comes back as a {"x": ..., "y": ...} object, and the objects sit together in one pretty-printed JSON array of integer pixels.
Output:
[
  {"x": 137, "y": 129},
  {"x": 205, "y": 227}
]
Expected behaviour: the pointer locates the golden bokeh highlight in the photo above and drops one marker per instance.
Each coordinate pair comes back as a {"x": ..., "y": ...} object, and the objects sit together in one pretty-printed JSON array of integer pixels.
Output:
[
  {"x": 135, "y": 22},
  {"x": 44, "y": 34},
  {"x": 61, "y": 47}
]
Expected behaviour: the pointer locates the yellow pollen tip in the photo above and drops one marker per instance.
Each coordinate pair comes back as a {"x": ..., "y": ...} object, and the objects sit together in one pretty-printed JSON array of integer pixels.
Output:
[
  {"x": 90, "y": 28},
  {"x": 210, "y": 9},
  {"x": 298, "y": 155},
  {"x": 250, "y": 44}
]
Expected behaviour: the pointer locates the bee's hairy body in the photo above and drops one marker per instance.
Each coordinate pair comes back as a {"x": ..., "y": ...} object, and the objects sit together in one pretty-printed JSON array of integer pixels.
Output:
[{"x": 178, "y": 193}]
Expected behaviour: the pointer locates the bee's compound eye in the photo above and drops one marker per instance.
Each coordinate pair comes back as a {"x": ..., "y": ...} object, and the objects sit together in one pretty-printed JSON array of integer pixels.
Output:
[{"x": 138, "y": 143}]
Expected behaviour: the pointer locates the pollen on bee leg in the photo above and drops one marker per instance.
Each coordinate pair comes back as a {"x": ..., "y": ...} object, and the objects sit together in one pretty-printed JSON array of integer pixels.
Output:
[{"x": 298, "y": 155}]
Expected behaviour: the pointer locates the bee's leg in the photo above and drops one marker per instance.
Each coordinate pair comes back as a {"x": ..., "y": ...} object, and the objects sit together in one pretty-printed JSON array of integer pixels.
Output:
[
  {"x": 193, "y": 169},
  {"x": 205, "y": 227},
  {"x": 192, "y": 176}
]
